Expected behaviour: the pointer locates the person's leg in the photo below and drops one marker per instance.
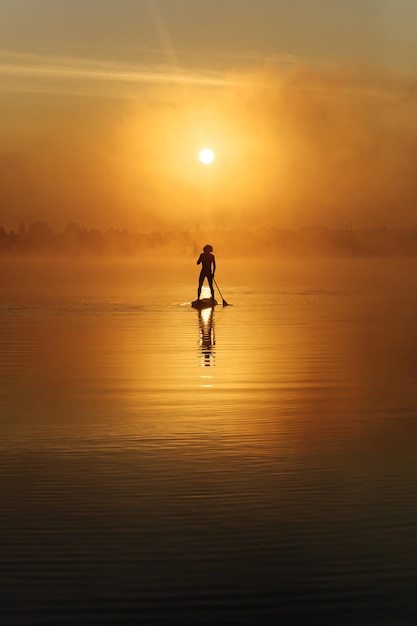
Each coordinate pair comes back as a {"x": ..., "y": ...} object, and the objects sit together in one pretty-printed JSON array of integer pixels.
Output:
[
  {"x": 210, "y": 282},
  {"x": 200, "y": 284}
]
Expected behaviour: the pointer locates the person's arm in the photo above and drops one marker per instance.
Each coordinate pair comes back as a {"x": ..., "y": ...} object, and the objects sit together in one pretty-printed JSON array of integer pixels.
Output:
[
  {"x": 199, "y": 260},
  {"x": 214, "y": 264}
]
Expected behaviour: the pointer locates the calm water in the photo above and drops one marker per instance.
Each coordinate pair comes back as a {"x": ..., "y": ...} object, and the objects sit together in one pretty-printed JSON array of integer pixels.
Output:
[{"x": 164, "y": 467}]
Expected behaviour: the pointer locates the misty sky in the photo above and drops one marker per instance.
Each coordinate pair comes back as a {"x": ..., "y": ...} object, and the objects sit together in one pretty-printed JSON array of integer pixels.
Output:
[{"x": 309, "y": 106}]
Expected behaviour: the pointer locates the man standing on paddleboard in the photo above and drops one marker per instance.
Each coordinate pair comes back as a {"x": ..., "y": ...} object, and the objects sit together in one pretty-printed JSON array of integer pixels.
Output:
[{"x": 208, "y": 262}]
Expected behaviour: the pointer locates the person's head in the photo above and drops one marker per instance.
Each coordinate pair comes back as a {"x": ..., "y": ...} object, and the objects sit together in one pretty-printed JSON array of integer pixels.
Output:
[{"x": 208, "y": 248}]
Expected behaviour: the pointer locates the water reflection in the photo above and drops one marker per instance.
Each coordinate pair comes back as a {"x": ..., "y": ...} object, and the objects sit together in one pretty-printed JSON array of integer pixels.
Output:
[
  {"x": 279, "y": 484},
  {"x": 207, "y": 337}
]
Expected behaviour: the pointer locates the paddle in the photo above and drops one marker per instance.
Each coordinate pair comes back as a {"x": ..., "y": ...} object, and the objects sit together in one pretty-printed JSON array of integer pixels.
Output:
[{"x": 224, "y": 301}]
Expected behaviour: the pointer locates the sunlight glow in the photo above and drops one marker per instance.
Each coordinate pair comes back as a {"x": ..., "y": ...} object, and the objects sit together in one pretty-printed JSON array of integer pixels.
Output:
[{"x": 206, "y": 156}]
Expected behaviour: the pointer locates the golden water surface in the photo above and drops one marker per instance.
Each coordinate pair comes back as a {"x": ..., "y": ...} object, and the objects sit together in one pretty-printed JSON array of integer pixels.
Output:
[{"x": 235, "y": 465}]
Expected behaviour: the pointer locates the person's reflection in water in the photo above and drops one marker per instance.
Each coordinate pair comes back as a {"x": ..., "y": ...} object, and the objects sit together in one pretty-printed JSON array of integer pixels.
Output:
[{"x": 207, "y": 336}]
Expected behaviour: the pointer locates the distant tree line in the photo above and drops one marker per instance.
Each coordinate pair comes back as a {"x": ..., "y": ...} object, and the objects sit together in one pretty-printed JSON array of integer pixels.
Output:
[{"x": 40, "y": 239}]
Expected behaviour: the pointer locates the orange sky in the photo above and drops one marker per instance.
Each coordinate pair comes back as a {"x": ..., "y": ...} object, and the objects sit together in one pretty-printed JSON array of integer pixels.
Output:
[{"x": 104, "y": 107}]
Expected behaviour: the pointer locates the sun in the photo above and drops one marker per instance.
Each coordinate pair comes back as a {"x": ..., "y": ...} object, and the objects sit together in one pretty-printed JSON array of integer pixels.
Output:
[{"x": 206, "y": 156}]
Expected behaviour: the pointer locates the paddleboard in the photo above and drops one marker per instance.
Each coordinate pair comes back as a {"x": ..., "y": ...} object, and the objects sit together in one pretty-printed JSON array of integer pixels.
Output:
[{"x": 204, "y": 303}]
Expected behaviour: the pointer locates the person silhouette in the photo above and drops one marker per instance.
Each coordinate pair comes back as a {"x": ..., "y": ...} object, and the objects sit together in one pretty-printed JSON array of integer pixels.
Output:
[{"x": 208, "y": 262}]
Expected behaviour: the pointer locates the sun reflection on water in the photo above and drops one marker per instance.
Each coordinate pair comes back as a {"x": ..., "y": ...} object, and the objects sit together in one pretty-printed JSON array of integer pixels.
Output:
[{"x": 207, "y": 337}]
